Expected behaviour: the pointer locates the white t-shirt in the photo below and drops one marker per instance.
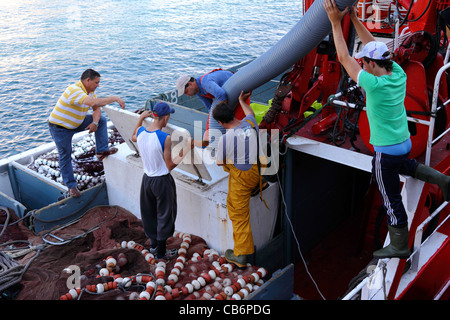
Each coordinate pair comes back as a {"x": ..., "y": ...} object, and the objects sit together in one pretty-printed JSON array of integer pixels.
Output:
[{"x": 151, "y": 148}]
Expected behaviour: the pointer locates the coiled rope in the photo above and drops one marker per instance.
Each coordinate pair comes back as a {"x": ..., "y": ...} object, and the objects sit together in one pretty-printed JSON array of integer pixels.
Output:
[{"x": 11, "y": 271}]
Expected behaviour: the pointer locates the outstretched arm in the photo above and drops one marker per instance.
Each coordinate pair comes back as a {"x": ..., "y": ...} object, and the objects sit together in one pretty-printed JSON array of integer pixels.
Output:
[
  {"x": 172, "y": 163},
  {"x": 335, "y": 15},
  {"x": 100, "y": 102},
  {"x": 364, "y": 35},
  {"x": 143, "y": 115}
]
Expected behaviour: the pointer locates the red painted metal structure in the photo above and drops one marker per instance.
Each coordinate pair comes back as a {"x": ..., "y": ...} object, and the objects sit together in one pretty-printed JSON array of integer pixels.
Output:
[{"x": 319, "y": 75}]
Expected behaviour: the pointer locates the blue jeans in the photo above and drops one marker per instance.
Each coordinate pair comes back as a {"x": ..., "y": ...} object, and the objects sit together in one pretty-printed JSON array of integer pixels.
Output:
[
  {"x": 63, "y": 142},
  {"x": 386, "y": 169}
]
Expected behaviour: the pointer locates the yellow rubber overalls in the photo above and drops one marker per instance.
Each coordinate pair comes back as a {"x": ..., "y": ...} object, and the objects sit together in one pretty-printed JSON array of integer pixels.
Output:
[{"x": 240, "y": 186}]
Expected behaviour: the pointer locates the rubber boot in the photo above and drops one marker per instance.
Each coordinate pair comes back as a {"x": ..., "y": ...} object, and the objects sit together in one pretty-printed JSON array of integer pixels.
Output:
[
  {"x": 398, "y": 248},
  {"x": 433, "y": 176},
  {"x": 240, "y": 261}
]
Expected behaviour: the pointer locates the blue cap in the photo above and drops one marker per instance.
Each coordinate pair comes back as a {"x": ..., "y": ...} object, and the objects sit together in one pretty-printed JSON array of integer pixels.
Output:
[{"x": 161, "y": 109}]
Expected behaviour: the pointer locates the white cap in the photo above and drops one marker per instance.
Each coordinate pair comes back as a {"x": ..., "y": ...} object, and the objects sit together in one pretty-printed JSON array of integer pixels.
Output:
[
  {"x": 374, "y": 50},
  {"x": 181, "y": 84}
]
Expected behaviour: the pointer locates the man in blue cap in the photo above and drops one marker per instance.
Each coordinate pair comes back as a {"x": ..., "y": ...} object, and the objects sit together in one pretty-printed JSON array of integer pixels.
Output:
[{"x": 158, "y": 198}]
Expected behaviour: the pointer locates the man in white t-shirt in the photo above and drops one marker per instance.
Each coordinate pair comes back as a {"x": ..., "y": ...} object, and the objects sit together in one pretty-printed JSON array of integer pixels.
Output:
[{"x": 158, "y": 198}]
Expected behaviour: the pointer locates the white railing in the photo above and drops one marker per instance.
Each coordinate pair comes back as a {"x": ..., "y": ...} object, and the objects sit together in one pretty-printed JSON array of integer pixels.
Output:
[
  {"x": 376, "y": 10},
  {"x": 434, "y": 108},
  {"x": 430, "y": 142},
  {"x": 414, "y": 258}
]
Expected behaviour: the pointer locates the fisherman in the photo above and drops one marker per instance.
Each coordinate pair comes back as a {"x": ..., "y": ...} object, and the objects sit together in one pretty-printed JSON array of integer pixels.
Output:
[
  {"x": 237, "y": 152},
  {"x": 158, "y": 198},
  {"x": 69, "y": 116},
  {"x": 384, "y": 82},
  {"x": 207, "y": 87}
]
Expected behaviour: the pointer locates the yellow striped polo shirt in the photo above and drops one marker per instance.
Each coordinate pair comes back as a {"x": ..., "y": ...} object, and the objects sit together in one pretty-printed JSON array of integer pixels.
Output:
[{"x": 69, "y": 111}]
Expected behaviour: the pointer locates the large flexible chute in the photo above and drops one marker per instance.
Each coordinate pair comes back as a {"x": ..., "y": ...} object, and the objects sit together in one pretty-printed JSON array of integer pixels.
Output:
[{"x": 312, "y": 28}]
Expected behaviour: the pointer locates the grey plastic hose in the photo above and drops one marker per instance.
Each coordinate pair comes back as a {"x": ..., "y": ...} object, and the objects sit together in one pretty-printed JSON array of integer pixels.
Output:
[{"x": 312, "y": 28}]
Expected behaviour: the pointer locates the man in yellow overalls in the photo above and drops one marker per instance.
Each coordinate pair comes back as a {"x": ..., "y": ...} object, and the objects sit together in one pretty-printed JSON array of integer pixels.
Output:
[{"x": 237, "y": 152}]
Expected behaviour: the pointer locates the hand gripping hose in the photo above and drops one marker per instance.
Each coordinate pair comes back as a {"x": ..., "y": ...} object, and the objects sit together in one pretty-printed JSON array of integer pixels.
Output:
[{"x": 312, "y": 28}]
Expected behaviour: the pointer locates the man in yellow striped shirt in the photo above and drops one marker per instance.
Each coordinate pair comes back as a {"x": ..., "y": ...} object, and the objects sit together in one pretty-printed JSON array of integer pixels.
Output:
[{"x": 70, "y": 116}]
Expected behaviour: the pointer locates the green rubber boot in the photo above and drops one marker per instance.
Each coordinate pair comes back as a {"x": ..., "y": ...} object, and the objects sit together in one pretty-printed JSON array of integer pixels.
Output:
[
  {"x": 398, "y": 248},
  {"x": 433, "y": 176},
  {"x": 240, "y": 261}
]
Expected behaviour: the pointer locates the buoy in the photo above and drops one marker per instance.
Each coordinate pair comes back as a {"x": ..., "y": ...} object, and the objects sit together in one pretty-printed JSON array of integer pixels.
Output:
[{"x": 200, "y": 278}]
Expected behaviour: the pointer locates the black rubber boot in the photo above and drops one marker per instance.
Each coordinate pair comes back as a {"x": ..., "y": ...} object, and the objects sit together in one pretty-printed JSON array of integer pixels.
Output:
[
  {"x": 398, "y": 248},
  {"x": 428, "y": 174}
]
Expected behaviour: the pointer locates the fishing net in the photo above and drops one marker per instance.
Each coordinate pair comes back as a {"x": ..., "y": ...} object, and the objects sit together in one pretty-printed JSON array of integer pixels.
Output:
[{"x": 110, "y": 261}]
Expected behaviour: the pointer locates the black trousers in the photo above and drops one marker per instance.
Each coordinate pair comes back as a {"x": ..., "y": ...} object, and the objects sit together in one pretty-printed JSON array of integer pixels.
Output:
[
  {"x": 158, "y": 201},
  {"x": 386, "y": 169}
]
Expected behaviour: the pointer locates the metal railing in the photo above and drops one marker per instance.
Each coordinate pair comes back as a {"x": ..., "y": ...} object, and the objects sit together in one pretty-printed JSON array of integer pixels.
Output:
[
  {"x": 414, "y": 257},
  {"x": 430, "y": 142},
  {"x": 434, "y": 108}
]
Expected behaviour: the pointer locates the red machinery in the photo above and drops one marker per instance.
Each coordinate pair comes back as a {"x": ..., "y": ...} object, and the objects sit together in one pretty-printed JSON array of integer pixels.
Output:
[
  {"x": 419, "y": 32},
  {"x": 319, "y": 75}
]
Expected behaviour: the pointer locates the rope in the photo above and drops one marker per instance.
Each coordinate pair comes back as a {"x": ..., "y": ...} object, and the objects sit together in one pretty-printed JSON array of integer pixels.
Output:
[
  {"x": 296, "y": 240},
  {"x": 6, "y": 221},
  {"x": 64, "y": 241},
  {"x": 11, "y": 271}
]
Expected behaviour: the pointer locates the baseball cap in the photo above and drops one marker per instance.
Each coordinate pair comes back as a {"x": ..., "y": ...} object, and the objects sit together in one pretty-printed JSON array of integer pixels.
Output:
[
  {"x": 181, "y": 84},
  {"x": 161, "y": 109},
  {"x": 374, "y": 50}
]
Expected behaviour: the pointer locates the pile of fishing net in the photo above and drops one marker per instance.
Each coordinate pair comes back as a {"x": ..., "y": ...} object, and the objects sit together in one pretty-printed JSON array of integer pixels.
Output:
[{"x": 111, "y": 261}]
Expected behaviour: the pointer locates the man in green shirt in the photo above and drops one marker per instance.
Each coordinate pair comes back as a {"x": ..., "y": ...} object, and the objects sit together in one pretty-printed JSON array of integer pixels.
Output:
[{"x": 384, "y": 82}]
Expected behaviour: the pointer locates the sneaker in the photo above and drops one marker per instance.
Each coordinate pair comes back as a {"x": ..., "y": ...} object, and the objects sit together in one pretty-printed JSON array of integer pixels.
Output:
[
  {"x": 153, "y": 250},
  {"x": 170, "y": 254},
  {"x": 240, "y": 261}
]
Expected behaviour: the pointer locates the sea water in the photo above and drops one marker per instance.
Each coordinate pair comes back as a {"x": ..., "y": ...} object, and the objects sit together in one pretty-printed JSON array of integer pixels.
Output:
[{"x": 140, "y": 47}]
